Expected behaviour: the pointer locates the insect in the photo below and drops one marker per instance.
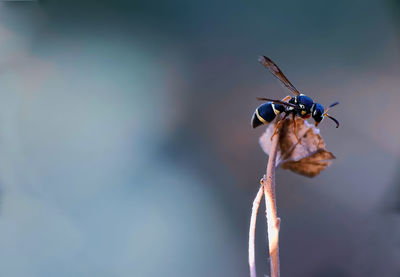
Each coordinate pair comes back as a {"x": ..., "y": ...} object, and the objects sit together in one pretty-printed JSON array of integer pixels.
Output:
[{"x": 298, "y": 105}]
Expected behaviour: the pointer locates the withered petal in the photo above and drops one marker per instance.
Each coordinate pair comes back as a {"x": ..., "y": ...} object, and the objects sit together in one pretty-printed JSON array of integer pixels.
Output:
[{"x": 307, "y": 158}]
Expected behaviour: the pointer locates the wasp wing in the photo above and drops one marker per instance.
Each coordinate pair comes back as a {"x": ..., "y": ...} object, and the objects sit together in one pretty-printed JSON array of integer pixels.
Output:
[
  {"x": 268, "y": 63},
  {"x": 278, "y": 102}
]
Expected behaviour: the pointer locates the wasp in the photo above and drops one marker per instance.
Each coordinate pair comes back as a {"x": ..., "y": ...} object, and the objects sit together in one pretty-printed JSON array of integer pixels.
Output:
[{"x": 298, "y": 105}]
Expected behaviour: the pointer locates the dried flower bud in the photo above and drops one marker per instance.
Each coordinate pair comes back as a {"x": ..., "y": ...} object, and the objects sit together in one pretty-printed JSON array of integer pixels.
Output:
[{"x": 308, "y": 158}]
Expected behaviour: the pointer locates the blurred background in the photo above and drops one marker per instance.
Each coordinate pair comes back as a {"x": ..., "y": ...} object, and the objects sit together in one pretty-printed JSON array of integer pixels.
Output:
[{"x": 126, "y": 147}]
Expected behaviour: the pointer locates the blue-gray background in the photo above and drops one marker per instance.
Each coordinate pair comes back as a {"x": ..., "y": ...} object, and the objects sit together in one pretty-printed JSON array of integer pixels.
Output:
[{"x": 126, "y": 148}]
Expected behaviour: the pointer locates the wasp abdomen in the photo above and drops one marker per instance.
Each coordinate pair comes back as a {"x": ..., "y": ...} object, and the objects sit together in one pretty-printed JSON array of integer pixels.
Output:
[{"x": 265, "y": 113}]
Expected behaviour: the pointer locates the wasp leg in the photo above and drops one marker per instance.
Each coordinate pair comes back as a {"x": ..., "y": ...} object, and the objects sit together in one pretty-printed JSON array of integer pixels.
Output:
[
  {"x": 286, "y": 98},
  {"x": 276, "y": 128},
  {"x": 278, "y": 125},
  {"x": 294, "y": 128}
]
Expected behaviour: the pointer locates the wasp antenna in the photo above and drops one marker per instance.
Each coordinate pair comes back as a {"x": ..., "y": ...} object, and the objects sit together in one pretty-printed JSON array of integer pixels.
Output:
[
  {"x": 333, "y": 105},
  {"x": 334, "y": 119},
  {"x": 330, "y": 106}
]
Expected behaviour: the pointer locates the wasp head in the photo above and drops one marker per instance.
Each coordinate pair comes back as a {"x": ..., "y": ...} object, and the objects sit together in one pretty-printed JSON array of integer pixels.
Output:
[{"x": 319, "y": 112}]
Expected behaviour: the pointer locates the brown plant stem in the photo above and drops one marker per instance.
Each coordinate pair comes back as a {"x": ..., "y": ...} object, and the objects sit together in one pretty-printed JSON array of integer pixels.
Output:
[
  {"x": 252, "y": 231},
  {"x": 273, "y": 222}
]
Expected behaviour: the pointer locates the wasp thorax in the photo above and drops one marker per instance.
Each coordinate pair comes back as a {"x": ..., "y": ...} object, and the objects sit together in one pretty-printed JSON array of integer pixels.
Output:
[{"x": 305, "y": 102}]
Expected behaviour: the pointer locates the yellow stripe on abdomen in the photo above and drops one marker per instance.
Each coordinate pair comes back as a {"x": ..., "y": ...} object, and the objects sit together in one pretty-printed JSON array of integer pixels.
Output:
[
  {"x": 276, "y": 112},
  {"x": 260, "y": 118}
]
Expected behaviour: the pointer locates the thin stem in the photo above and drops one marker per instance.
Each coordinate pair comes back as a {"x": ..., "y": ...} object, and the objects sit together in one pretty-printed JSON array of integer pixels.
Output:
[
  {"x": 252, "y": 231},
  {"x": 273, "y": 221}
]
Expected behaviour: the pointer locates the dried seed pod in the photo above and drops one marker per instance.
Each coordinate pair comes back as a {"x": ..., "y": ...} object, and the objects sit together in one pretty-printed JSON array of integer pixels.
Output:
[{"x": 307, "y": 158}]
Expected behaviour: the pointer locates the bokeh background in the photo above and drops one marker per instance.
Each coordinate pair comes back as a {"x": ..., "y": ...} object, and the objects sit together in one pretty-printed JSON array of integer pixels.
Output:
[{"x": 126, "y": 147}]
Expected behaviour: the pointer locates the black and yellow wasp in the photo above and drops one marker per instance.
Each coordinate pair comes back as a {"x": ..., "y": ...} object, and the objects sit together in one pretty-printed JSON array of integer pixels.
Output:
[{"x": 299, "y": 105}]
